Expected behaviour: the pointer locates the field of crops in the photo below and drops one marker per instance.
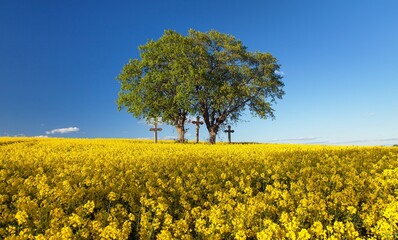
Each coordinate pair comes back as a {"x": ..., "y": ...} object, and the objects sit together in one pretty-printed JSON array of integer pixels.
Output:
[{"x": 126, "y": 189}]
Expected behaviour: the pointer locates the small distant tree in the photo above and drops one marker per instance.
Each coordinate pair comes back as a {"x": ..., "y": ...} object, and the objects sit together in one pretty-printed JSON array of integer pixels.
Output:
[
  {"x": 234, "y": 80},
  {"x": 159, "y": 84}
]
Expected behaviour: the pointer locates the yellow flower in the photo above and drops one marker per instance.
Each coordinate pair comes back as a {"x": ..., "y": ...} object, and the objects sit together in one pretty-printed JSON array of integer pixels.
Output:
[
  {"x": 66, "y": 233},
  {"x": 75, "y": 220},
  {"x": 304, "y": 235},
  {"x": 352, "y": 210},
  {"x": 112, "y": 196},
  {"x": 317, "y": 229},
  {"x": 338, "y": 227},
  {"x": 240, "y": 235},
  {"x": 263, "y": 191},
  {"x": 110, "y": 232},
  {"x": 40, "y": 237},
  {"x": 89, "y": 206},
  {"x": 164, "y": 235},
  {"x": 22, "y": 217}
]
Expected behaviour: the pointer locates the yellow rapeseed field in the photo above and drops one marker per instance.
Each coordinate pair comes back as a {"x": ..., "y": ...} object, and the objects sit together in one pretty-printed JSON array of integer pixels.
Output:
[{"x": 130, "y": 189}]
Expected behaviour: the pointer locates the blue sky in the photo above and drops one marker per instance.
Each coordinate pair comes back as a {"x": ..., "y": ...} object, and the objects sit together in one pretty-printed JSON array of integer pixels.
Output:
[{"x": 59, "y": 61}]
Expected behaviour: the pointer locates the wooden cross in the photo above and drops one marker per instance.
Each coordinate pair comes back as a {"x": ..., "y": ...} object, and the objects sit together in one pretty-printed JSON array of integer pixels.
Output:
[
  {"x": 229, "y": 131},
  {"x": 155, "y": 129},
  {"x": 197, "y": 123}
]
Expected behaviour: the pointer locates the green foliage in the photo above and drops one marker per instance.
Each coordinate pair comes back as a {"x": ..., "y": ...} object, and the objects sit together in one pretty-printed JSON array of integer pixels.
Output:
[
  {"x": 235, "y": 79},
  {"x": 159, "y": 83},
  {"x": 209, "y": 74}
]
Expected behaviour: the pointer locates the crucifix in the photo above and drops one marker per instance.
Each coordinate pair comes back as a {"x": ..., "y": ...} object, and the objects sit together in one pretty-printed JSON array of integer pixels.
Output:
[
  {"x": 229, "y": 131},
  {"x": 197, "y": 123},
  {"x": 155, "y": 129}
]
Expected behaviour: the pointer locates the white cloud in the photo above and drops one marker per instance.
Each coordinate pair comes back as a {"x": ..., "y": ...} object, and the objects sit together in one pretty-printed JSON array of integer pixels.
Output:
[
  {"x": 374, "y": 141},
  {"x": 41, "y": 136},
  {"x": 388, "y": 139},
  {"x": 63, "y": 130},
  {"x": 319, "y": 142},
  {"x": 151, "y": 121},
  {"x": 169, "y": 138}
]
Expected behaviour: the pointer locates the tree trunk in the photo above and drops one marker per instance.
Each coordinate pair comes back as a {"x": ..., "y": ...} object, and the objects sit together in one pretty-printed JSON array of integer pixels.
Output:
[
  {"x": 180, "y": 126},
  {"x": 212, "y": 135},
  {"x": 181, "y": 133}
]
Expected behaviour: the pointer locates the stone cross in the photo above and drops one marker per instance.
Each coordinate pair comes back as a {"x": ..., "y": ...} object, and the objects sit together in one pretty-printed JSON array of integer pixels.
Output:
[
  {"x": 197, "y": 123},
  {"x": 229, "y": 131},
  {"x": 155, "y": 129}
]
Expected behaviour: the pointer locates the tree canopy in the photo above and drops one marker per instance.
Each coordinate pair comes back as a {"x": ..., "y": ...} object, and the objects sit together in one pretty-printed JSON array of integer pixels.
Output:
[
  {"x": 235, "y": 79},
  {"x": 208, "y": 74},
  {"x": 160, "y": 83}
]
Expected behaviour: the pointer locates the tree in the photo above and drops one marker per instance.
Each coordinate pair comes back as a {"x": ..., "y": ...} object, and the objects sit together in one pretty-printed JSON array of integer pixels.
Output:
[
  {"x": 160, "y": 83},
  {"x": 209, "y": 74},
  {"x": 233, "y": 80}
]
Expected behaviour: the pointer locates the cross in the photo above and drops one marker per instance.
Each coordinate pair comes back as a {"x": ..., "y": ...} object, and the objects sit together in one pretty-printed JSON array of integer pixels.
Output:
[
  {"x": 229, "y": 131},
  {"x": 197, "y": 123},
  {"x": 155, "y": 129}
]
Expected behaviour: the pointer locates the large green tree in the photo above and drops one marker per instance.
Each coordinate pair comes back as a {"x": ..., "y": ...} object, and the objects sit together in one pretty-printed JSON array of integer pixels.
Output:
[
  {"x": 235, "y": 80},
  {"x": 159, "y": 84},
  {"x": 209, "y": 74}
]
